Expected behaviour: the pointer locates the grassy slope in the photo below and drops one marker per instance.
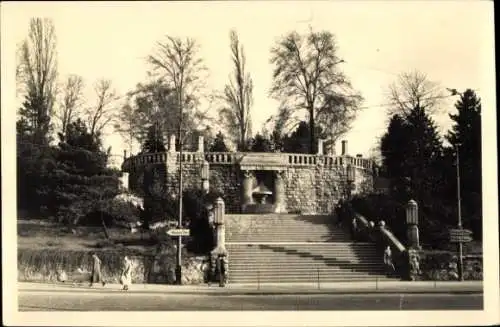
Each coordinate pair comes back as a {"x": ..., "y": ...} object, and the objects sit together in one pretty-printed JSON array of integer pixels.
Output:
[{"x": 36, "y": 234}]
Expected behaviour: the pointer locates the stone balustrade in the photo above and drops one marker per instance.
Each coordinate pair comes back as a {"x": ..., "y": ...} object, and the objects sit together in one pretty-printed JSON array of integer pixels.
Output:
[{"x": 229, "y": 158}]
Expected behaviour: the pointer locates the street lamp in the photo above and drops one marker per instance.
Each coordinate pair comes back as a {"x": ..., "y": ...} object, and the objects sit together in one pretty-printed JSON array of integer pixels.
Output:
[
  {"x": 178, "y": 267},
  {"x": 454, "y": 92}
]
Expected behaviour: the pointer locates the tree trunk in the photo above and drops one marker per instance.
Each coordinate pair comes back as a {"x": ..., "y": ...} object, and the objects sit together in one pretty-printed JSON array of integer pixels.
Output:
[
  {"x": 104, "y": 228},
  {"x": 311, "y": 130}
]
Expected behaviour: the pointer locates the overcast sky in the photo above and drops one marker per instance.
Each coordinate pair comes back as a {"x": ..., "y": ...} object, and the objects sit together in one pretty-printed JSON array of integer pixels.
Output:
[{"x": 450, "y": 41}]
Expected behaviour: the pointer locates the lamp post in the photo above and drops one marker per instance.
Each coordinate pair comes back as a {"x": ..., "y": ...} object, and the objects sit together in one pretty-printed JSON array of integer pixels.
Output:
[
  {"x": 459, "y": 225},
  {"x": 178, "y": 267},
  {"x": 460, "y": 267}
]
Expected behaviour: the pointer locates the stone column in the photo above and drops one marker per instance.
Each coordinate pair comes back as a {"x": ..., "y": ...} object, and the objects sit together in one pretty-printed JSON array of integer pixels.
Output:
[
  {"x": 247, "y": 187},
  {"x": 279, "y": 192},
  {"x": 171, "y": 146}
]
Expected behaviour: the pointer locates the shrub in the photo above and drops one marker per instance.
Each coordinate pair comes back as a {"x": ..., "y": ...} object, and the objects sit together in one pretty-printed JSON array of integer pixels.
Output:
[{"x": 196, "y": 208}]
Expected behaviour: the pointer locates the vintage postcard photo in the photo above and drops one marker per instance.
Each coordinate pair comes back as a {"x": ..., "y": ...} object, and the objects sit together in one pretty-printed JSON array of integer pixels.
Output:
[{"x": 249, "y": 163}]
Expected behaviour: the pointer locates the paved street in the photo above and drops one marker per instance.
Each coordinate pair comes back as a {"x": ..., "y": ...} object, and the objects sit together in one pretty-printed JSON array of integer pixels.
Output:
[{"x": 115, "y": 300}]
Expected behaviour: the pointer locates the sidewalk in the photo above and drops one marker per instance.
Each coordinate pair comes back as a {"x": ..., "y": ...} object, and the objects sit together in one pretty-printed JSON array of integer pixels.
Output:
[{"x": 270, "y": 289}]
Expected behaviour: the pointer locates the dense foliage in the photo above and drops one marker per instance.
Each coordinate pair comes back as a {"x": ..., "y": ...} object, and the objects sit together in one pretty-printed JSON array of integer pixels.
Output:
[{"x": 420, "y": 167}]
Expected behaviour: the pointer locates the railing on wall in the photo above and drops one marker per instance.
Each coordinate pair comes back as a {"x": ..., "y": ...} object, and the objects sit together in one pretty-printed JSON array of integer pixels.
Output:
[
  {"x": 292, "y": 159},
  {"x": 383, "y": 238}
]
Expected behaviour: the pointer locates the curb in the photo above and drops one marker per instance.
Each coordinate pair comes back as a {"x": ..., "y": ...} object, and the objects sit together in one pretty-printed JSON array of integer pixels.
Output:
[{"x": 255, "y": 292}]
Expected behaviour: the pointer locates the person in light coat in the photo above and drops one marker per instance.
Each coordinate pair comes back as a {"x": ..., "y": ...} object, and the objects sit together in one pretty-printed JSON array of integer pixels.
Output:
[
  {"x": 388, "y": 259},
  {"x": 126, "y": 276}
]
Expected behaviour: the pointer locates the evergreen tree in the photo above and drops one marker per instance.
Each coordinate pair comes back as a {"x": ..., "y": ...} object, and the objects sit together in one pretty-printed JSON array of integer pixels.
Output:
[
  {"x": 219, "y": 144},
  {"x": 299, "y": 140},
  {"x": 424, "y": 154},
  {"x": 393, "y": 147},
  {"x": 154, "y": 140},
  {"x": 413, "y": 158},
  {"x": 466, "y": 135},
  {"x": 261, "y": 144},
  {"x": 81, "y": 182}
]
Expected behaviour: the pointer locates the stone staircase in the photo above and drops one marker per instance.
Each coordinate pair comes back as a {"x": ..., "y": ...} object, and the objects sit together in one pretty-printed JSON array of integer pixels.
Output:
[{"x": 296, "y": 248}]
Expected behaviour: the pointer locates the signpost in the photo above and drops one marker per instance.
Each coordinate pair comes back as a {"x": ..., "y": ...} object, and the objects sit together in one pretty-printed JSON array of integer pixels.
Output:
[
  {"x": 460, "y": 235},
  {"x": 178, "y": 232}
]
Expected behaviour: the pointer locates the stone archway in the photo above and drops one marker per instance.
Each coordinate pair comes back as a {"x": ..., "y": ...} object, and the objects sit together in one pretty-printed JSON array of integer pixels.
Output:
[{"x": 263, "y": 191}]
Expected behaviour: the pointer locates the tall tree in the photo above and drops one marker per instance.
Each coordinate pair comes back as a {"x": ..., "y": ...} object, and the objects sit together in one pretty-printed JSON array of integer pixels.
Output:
[
  {"x": 393, "y": 147},
  {"x": 36, "y": 77},
  {"x": 150, "y": 104},
  {"x": 466, "y": 135},
  {"x": 70, "y": 103},
  {"x": 103, "y": 112},
  {"x": 126, "y": 125},
  {"x": 414, "y": 89},
  {"x": 306, "y": 77},
  {"x": 235, "y": 115},
  {"x": 177, "y": 63}
]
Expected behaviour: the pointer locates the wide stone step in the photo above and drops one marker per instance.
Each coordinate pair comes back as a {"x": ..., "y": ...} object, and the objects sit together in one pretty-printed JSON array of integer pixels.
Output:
[
  {"x": 299, "y": 269},
  {"x": 305, "y": 279}
]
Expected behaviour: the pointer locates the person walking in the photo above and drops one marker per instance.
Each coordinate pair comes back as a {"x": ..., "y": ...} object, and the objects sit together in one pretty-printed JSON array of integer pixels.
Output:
[
  {"x": 96, "y": 275},
  {"x": 354, "y": 228},
  {"x": 338, "y": 213},
  {"x": 126, "y": 276},
  {"x": 388, "y": 259}
]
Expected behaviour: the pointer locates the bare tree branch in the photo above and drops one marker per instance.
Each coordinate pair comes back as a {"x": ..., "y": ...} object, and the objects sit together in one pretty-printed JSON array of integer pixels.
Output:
[
  {"x": 306, "y": 78},
  {"x": 104, "y": 111},
  {"x": 69, "y": 105},
  {"x": 177, "y": 64},
  {"x": 413, "y": 89},
  {"x": 36, "y": 74},
  {"x": 237, "y": 98}
]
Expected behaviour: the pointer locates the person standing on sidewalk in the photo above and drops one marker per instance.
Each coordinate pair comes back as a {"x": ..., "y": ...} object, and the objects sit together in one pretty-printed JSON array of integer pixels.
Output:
[
  {"x": 126, "y": 276},
  {"x": 388, "y": 259},
  {"x": 96, "y": 276}
]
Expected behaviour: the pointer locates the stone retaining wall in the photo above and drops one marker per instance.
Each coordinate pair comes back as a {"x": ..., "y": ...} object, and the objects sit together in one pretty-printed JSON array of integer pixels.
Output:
[
  {"x": 45, "y": 266},
  {"x": 312, "y": 183}
]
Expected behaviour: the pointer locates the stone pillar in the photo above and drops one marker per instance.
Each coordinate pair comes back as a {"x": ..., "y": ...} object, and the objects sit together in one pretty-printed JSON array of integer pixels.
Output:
[
  {"x": 201, "y": 146},
  {"x": 412, "y": 224},
  {"x": 219, "y": 210},
  {"x": 205, "y": 174},
  {"x": 279, "y": 192},
  {"x": 344, "y": 147},
  {"x": 320, "y": 147},
  {"x": 247, "y": 187},
  {"x": 413, "y": 263},
  {"x": 171, "y": 146},
  {"x": 219, "y": 252}
]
